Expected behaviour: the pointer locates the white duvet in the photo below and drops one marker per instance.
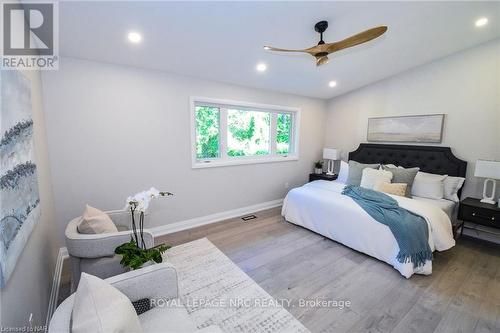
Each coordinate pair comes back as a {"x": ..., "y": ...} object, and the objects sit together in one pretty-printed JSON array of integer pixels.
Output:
[{"x": 320, "y": 207}]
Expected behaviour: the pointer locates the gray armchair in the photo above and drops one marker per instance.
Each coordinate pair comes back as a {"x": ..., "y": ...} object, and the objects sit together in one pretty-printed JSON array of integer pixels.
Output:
[
  {"x": 152, "y": 282},
  {"x": 95, "y": 253}
]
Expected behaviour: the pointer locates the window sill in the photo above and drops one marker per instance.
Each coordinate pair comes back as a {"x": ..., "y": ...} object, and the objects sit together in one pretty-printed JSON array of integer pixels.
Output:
[{"x": 243, "y": 161}]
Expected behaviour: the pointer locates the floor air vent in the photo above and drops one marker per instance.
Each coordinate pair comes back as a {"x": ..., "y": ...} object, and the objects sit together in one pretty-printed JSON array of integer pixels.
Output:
[{"x": 248, "y": 217}]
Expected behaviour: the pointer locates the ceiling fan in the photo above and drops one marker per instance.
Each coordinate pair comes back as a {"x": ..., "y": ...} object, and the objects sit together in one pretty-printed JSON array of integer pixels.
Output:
[{"x": 322, "y": 50}]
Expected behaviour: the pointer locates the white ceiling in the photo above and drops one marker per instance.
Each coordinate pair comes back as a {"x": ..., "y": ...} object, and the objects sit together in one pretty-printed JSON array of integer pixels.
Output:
[{"x": 223, "y": 41}]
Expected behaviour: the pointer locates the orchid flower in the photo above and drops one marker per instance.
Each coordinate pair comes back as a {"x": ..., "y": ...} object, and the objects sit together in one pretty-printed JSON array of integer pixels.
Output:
[{"x": 140, "y": 201}]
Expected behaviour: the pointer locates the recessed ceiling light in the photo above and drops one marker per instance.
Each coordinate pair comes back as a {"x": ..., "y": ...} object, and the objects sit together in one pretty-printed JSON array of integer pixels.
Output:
[
  {"x": 481, "y": 22},
  {"x": 134, "y": 37},
  {"x": 332, "y": 84},
  {"x": 261, "y": 67}
]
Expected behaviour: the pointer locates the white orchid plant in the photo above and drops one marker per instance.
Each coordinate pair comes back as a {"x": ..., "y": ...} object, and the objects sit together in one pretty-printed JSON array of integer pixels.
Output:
[
  {"x": 135, "y": 254},
  {"x": 140, "y": 201}
]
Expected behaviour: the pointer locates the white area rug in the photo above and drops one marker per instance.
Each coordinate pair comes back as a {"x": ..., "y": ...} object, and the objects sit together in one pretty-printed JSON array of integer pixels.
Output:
[{"x": 216, "y": 291}]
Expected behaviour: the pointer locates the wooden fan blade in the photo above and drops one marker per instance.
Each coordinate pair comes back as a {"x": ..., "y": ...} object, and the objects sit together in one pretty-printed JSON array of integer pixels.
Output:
[
  {"x": 270, "y": 48},
  {"x": 322, "y": 60},
  {"x": 357, "y": 39}
]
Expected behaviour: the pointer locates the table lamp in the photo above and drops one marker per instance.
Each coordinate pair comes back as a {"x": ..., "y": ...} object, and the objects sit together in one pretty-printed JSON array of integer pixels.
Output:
[
  {"x": 331, "y": 154},
  {"x": 491, "y": 171}
]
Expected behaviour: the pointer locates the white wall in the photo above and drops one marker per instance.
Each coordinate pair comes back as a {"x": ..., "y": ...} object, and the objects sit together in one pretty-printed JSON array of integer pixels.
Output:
[
  {"x": 116, "y": 130},
  {"x": 464, "y": 86},
  {"x": 28, "y": 288}
]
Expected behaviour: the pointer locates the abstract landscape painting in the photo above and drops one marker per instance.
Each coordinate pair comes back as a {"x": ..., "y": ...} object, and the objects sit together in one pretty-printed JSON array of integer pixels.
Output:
[
  {"x": 19, "y": 199},
  {"x": 426, "y": 128}
]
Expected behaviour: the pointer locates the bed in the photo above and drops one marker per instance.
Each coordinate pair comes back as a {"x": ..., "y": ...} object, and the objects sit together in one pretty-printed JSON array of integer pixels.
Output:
[{"x": 320, "y": 207}]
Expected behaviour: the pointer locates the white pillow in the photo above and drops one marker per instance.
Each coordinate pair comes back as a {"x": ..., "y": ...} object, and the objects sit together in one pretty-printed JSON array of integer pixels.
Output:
[
  {"x": 343, "y": 172},
  {"x": 451, "y": 187},
  {"x": 101, "y": 308},
  {"x": 428, "y": 185},
  {"x": 371, "y": 177}
]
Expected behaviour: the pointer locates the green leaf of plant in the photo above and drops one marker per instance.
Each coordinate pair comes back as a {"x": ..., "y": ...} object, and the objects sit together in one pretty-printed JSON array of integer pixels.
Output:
[{"x": 134, "y": 257}]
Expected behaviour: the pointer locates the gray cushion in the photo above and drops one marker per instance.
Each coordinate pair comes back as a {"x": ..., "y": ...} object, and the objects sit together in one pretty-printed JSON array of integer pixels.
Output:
[
  {"x": 356, "y": 172},
  {"x": 103, "y": 267},
  {"x": 402, "y": 175}
]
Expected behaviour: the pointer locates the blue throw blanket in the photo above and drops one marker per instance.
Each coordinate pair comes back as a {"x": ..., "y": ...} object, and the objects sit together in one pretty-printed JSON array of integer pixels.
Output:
[{"x": 410, "y": 230}]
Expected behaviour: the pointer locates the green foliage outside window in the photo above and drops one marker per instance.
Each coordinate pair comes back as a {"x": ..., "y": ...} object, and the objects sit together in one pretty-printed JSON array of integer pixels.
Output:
[
  {"x": 239, "y": 130},
  {"x": 248, "y": 133},
  {"x": 207, "y": 132},
  {"x": 283, "y": 133}
]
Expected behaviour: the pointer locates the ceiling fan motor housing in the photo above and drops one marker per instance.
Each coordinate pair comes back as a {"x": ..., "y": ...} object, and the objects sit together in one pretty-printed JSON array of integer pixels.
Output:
[{"x": 320, "y": 27}]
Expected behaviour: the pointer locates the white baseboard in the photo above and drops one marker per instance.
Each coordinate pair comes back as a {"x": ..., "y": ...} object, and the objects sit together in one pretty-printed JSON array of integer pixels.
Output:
[
  {"x": 217, "y": 217},
  {"x": 56, "y": 281}
]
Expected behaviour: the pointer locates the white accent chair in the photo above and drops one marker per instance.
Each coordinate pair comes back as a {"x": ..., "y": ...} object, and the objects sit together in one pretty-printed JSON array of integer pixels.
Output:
[
  {"x": 156, "y": 282},
  {"x": 95, "y": 253}
]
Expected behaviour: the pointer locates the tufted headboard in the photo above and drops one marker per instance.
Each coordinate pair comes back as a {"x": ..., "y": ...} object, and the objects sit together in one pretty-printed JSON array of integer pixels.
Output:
[{"x": 432, "y": 159}]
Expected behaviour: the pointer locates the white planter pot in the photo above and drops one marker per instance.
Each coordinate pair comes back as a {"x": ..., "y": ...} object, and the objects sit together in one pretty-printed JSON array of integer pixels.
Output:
[{"x": 318, "y": 171}]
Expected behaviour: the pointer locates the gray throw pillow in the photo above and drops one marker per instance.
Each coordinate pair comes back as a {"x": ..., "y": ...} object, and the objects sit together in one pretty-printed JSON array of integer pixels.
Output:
[
  {"x": 402, "y": 175},
  {"x": 356, "y": 172}
]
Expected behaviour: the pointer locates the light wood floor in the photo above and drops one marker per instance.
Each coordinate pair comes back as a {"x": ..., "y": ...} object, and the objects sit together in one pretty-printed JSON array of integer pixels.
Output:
[{"x": 462, "y": 294}]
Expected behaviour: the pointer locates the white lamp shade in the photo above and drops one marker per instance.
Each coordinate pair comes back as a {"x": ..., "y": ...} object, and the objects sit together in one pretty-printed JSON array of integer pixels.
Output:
[
  {"x": 331, "y": 154},
  {"x": 487, "y": 169}
]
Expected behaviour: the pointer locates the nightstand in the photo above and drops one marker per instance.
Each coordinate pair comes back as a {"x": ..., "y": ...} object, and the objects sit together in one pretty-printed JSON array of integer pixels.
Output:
[
  {"x": 323, "y": 176},
  {"x": 473, "y": 210}
]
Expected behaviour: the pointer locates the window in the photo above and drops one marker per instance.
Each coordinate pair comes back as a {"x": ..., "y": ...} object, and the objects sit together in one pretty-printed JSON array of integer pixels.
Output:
[
  {"x": 283, "y": 133},
  {"x": 248, "y": 133},
  {"x": 228, "y": 133},
  {"x": 207, "y": 132}
]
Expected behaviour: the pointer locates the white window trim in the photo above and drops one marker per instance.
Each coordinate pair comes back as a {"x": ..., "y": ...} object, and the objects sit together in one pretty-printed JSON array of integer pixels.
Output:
[{"x": 227, "y": 161}]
